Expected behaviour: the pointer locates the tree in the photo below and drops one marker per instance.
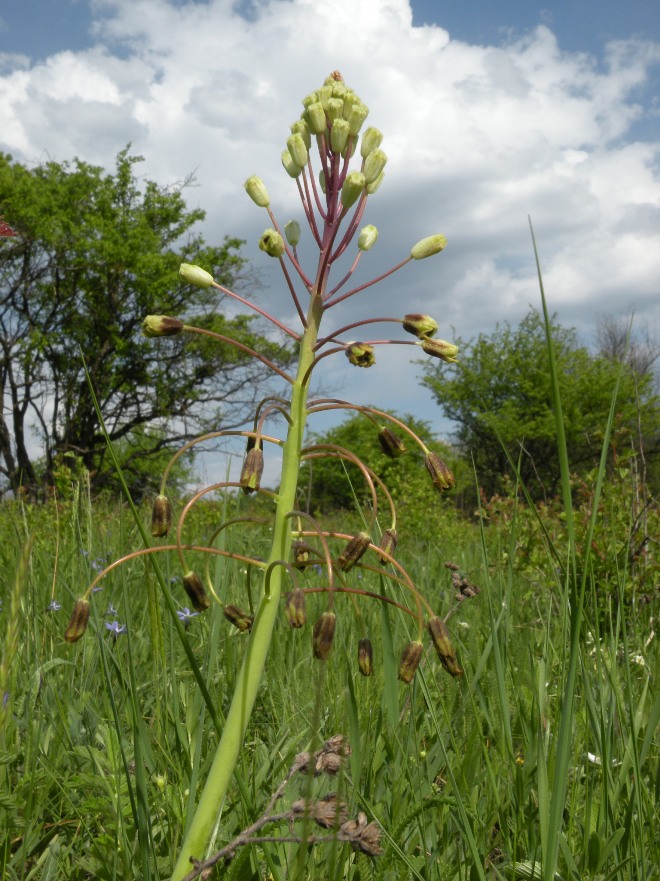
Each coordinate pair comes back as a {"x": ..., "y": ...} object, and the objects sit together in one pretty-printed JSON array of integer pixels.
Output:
[
  {"x": 93, "y": 255},
  {"x": 500, "y": 397}
]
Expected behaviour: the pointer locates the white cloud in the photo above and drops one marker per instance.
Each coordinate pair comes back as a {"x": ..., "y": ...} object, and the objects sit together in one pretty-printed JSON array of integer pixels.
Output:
[{"x": 479, "y": 137}]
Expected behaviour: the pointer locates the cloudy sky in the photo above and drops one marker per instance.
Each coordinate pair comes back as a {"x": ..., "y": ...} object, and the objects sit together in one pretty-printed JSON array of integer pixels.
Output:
[{"x": 492, "y": 112}]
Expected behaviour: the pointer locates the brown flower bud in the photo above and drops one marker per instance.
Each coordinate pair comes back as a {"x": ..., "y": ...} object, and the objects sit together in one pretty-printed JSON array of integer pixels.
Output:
[
  {"x": 440, "y": 349},
  {"x": 300, "y": 554},
  {"x": 421, "y": 326},
  {"x": 390, "y": 444},
  {"x": 360, "y": 354},
  {"x": 295, "y": 608},
  {"x": 161, "y": 325},
  {"x": 240, "y": 619},
  {"x": 365, "y": 657},
  {"x": 253, "y": 466},
  {"x": 410, "y": 658},
  {"x": 195, "y": 589},
  {"x": 441, "y": 475},
  {"x": 323, "y": 635},
  {"x": 161, "y": 516},
  {"x": 388, "y": 543},
  {"x": 78, "y": 621},
  {"x": 443, "y": 646},
  {"x": 353, "y": 551}
]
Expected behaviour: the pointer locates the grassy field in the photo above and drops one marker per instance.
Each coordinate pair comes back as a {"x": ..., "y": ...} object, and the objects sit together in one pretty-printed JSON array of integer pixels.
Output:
[{"x": 548, "y": 744}]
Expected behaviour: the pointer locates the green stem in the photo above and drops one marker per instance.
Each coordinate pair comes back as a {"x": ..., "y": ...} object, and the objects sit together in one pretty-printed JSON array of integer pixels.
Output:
[{"x": 249, "y": 678}]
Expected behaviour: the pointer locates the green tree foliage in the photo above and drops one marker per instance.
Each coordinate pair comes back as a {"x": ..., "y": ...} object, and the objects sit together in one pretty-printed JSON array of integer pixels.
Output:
[
  {"x": 331, "y": 484},
  {"x": 500, "y": 398},
  {"x": 95, "y": 253}
]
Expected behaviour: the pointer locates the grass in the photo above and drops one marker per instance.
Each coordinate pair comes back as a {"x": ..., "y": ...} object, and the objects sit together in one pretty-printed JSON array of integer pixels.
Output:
[{"x": 105, "y": 744}]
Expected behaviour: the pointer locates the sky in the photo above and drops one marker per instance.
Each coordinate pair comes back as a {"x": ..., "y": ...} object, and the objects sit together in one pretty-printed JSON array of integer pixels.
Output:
[{"x": 492, "y": 113}]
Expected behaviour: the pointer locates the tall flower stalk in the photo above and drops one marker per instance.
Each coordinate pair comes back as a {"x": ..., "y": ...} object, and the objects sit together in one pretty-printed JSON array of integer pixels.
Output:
[{"x": 333, "y": 207}]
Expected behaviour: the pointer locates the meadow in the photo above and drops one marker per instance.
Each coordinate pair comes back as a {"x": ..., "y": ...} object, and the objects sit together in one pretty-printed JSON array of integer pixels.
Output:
[{"x": 550, "y": 736}]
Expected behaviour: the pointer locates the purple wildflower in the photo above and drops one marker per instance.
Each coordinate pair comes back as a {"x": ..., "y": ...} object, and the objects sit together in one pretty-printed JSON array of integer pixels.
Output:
[
  {"x": 115, "y": 628},
  {"x": 53, "y": 606}
]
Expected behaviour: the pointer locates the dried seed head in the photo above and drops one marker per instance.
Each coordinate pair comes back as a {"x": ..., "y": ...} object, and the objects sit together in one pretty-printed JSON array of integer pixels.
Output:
[
  {"x": 353, "y": 551},
  {"x": 161, "y": 325},
  {"x": 327, "y": 812},
  {"x": 323, "y": 635},
  {"x": 360, "y": 354},
  {"x": 361, "y": 835},
  {"x": 366, "y": 657},
  {"x": 410, "y": 658},
  {"x": 253, "y": 466},
  {"x": 161, "y": 516},
  {"x": 295, "y": 609},
  {"x": 388, "y": 543},
  {"x": 453, "y": 567},
  {"x": 421, "y": 326},
  {"x": 390, "y": 444},
  {"x": 440, "y": 636},
  {"x": 240, "y": 619},
  {"x": 193, "y": 586},
  {"x": 78, "y": 621},
  {"x": 441, "y": 475}
]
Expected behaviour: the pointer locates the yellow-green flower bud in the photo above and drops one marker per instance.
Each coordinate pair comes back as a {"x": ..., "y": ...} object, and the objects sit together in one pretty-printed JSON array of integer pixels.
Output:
[
  {"x": 375, "y": 184},
  {"x": 421, "y": 326},
  {"x": 161, "y": 516},
  {"x": 373, "y": 165},
  {"x": 440, "y": 349},
  {"x": 410, "y": 658},
  {"x": 338, "y": 135},
  {"x": 360, "y": 354},
  {"x": 312, "y": 98},
  {"x": 297, "y": 149},
  {"x": 78, "y": 621},
  {"x": 356, "y": 116},
  {"x": 253, "y": 466},
  {"x": 428, "y": 247},
  {"x": 291, "y": 168},
  {"x": 440, "y": 474},
  {"x": 365, "y": 657},
  {"x": 161, "y": 325},
  {"x": 443, "y": 646},
  {"x": 240, "y": 619},
  {"x": 292, "y": 232},
  {"x": 349, "y": 146},
  {"x": 368, "y": 237},
  {"x": 272, "y": 243},
  {"x": 323, "y": 635},
  {"x": 193, "y": 586},
  {"x": 388, "y": 543},
  {"x": 300, "y": 127},
  {"x": 334, "y": 109},
  {"x": 256, "y": 190},
  {"x": 354, "y": 551},
  {"x": 339, "y": 89},
  {"x": 322, "y": 183},
  {"x": 295, "y": 608},
  {"x": 390, "y": 444},
  {"x": 371, "y": 140},
  {"x": 352, "y": 188},
  {"x": 316, "y": 118},
  {"x": 195, "y": 275},
  {"x": 324, "y": 95}
]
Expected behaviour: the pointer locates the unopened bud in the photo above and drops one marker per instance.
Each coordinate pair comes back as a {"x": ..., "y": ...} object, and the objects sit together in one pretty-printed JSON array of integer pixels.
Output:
[
  {"x": 441, "y": 475},
  {"x": 323, "y": 635},
  {"x": 440, "y": 349},
  {"x": 78, "y": 621},
  {"x": 360, "y": 354},
  {"x": 428, "y": 246},
  {"x": 161, "y": 516},
  {"x": 295, "y": 608},
  {"x": 371, "y": 140},
  {"x": 365, "y": 657},
  {"x": 301, "y": 128},
  {"x": 388, "y": 543},
  {"x": 334, "y": 108},
  {"x": 352, "y": 188},
  {"x": 322, "y": 182},
  {"x": 421, "y": 326},
  {"x": 240, "y": 619},
  {"x": 339, "y": 135},
  {"x": 193, "y": 586},
  {"x": 410, "y": 658},
  {"x": 292, "y": 232},
  {"x": 291, "y": 167},
  {"x": 443, "y": 646},
  {"x": 195, "y": 275},
  {"x": 354, "y": 550},
  {"x": 161, "y": 325},
  {"x": 356, "y": 116},
  {"x": 368, "y": 237},
  {"x": 253, "y": 466},
  {"x": 256, "y": 190},
  {"x": 375, "y": 184},
  {"x": 272, "y": 243},
  {"x": 373, "y": 165},
  {"x": 297, "y": 149},
  {"x": 390, "y": 444},
  {"x": 316, "y": 118}
]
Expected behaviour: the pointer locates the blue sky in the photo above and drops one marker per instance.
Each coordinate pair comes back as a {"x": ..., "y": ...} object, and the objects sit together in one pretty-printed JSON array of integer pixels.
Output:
[{"x": 492, "y": 112}]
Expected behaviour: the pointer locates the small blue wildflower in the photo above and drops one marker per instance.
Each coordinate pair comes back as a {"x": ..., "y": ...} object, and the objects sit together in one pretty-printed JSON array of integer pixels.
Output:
[
  {"x": 186, "y": 616},
  {"x": 115, "y": 628},
  {"x": 97, "y": 588},
  {"x": 111, "y": 612},
  {"x": 53, "y": 606}
]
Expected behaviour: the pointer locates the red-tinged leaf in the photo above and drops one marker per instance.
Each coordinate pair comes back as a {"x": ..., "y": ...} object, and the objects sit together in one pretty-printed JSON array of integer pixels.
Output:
[{"x": 6, "y": 231}]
